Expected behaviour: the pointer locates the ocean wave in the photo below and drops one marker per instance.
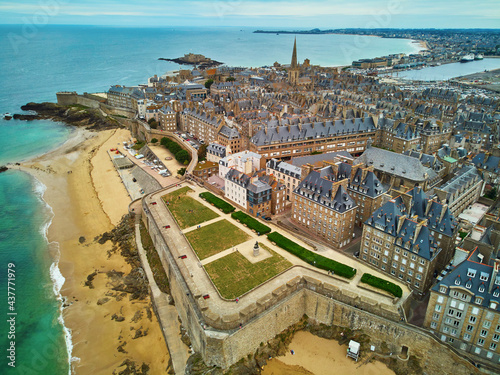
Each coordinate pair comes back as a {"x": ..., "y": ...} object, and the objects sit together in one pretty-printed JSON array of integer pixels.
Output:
[{"x": 56, "y": 276}]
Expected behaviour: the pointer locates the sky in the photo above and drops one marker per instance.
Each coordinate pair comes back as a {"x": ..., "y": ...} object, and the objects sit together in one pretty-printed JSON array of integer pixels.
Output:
[{"x": 272, "y": 14}]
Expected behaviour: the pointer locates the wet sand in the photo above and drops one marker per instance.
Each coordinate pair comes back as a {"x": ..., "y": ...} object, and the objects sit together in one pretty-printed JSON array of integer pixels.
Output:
[
  {"x": 88, "y": 199},
  {"x": 318, "y": 356}
]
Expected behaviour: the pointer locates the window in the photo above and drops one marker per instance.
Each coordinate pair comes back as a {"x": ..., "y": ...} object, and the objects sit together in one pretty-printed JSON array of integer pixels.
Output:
[
  {"x": 433, "y": 324},
  {"x": 477, "y": 351},
  {"x": 435, "y": 316},
  {"x": 487, "y": 324},
  {"x": 472, "y": 319},
  {"x": 440, "y": 299},
  {"x": 466, "y": 337},
  {"x": 451, "y": 312},
  {"x": 483, "y": 333},
  {"x": 471, "y": 272},
  {"x": 480, "y": 342},
  {"x": 493, "y": 346},
  {"x": 496, "y": 337},
  {"x": 470, "y": 328},
  {"x": 442, "y": 289}
]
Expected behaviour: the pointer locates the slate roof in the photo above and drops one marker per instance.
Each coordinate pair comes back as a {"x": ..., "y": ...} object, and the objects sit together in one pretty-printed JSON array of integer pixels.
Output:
[
  {"x": 216, "y": 149},
  {"x": 311, "y": 159},
  {"x": 317, "y": 188},
  {"x": 283, "y": 167},
  {"x": 463, "y": 178},
  {"x": 488, "y": 163},
  {"x": 282, "y": 134},
  {"x": 230, "y": 133},
  {"x": 395, "y": 164},
  {"x": 477, "y": 277},
  {"x": 369, "y": 186}
]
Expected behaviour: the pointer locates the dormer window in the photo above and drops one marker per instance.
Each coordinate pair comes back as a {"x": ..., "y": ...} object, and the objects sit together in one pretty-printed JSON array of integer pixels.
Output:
[
  {"x": 468, "y": 285},
  {"x": 478, "y": 300},
  {"x": 471, "y": 272},
  {"x": 484, "y": 276},
  {"x": 481, "y": 288},
  {"x": 457, "y": 281},
  {"x": 496, "y": 293}
]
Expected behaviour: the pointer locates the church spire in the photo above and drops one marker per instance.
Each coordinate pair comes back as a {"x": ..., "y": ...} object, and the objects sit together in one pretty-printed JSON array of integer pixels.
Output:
[{"x": 294, "y": 54}]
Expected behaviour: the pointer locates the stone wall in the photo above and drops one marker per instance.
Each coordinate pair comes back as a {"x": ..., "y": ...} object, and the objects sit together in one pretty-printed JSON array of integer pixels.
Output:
[
  {"x": 222, "y": 342},
  {"x": 72, "y": 98}
]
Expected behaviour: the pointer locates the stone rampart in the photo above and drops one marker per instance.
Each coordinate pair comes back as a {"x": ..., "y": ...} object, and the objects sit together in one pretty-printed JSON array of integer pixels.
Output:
[{"x": 222, "y": 341}]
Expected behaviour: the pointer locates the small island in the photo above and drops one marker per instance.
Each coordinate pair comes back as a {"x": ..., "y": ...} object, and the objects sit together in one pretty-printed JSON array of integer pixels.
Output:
[{"x": 197, "y": 60}]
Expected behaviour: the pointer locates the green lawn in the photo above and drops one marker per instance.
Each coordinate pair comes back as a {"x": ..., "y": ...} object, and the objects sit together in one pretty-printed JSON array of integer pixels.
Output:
[
  {"x": 235, "y": 275},
  {"x": 187, "y": 211},
  {"x": 216, "y": 237}
]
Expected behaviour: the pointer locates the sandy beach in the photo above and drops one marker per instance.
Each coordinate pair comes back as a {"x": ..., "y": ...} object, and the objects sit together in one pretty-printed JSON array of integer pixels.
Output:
[
  {"x": 88, "y": 199},
  {"x": 318, "y": 356}
]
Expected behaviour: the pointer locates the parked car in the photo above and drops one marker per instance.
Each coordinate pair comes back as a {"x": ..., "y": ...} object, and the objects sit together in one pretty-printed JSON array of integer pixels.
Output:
[
  {"x": 356, "y": 254},
  {"x": 267, "y": 218}
]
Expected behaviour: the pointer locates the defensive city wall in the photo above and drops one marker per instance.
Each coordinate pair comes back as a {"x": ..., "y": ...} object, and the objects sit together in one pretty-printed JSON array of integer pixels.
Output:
[{"x": 224, "y": 336}]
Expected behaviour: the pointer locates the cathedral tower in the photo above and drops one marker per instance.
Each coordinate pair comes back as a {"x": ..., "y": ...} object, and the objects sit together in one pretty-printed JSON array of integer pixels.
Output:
[{"x": 293, "y": 72}]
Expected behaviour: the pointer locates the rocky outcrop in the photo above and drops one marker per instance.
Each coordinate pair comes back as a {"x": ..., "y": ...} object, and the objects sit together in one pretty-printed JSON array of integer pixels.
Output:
[{"x": 75, "y": 115}]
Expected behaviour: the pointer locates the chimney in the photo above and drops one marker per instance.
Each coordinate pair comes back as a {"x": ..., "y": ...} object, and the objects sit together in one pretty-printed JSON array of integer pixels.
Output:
[
  {"x": 443, "y": 211},
  {"x": 494, "y": 274},
  {"x": 407, "y": 200},
  {"x": 400, "y": 222}
]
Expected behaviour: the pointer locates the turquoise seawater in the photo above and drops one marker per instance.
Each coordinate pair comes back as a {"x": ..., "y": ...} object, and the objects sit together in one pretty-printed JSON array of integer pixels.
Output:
[{"x": 39, "y": 60}]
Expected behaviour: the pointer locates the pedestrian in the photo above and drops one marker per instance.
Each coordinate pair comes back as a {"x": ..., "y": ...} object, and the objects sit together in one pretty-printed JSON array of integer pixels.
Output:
[{"x": 237, "y": 300}]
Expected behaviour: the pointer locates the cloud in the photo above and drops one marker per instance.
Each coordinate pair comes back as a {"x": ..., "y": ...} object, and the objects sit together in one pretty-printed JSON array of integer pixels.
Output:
[{"x": 256, "y": 9}]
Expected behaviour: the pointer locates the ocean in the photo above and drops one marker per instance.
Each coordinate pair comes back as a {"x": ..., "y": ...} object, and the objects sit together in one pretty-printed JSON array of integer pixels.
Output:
[
  {"x": 448, "y": 71},
  {"x": 38, "y": 61}
]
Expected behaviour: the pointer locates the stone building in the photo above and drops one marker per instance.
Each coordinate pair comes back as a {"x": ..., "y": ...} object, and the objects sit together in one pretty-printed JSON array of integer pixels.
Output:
[
  {"x": 121, "y": 96},
  {"x": 285, "y": 141},
  {"x": 399, "y": 170},
  {"x": 293, "y": 71},
  {"x": 206, "y": 169},
  {"x": 215, "y": 152},
  {"x": 245, "y": 162},
  {"x": 462, "y": 190},
  {"x": 201, "y": 125},
  {"x": 288, "y": 174},
  {"x": 230, "y": 137},
  {"x": 322, "y": 205},
  {"x": 168, "y": 119},
  {"x": 410, "y": 237},
  {"x": 464, "y": 307}
]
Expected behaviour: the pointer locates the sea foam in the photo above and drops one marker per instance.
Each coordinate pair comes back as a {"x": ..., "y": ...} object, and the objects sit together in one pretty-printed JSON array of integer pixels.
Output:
[{"x": 55, "y": 273}]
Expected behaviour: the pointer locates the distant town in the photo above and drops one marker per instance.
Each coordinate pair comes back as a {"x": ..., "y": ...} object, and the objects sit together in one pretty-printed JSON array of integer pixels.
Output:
[{"x": 374, "y": 200}]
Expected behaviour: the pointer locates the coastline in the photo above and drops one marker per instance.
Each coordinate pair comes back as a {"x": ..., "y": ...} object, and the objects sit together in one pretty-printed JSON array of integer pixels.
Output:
[{"x": 86, "y": 196}]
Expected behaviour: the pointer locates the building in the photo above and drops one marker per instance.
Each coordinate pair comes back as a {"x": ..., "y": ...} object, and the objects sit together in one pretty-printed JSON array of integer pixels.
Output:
[
  {"x": 121, "y": 96},
  {"x": 288, "y": 174},
  {"x": 462, "y": 190},
  {"x": 322, "y": 206},
  {"x": 201, "y": 125},
  {"x": 291, "y": 140},
  {"x": 257, "y": 194},
  {"x": 206, "y": 169},
  {"x": 293, "y": 71},
  {"x": 488, "y": 166},
  {"x": 464, "y": 307},
  {"x": 230, "y": 137},
  {"x": 399, "y": 170},
  {"x": 215, "y": 152},
  {"x": 245, "y": 162},
  {"x": 168, "y": 118},
  {"x": 410, "y": 237}
]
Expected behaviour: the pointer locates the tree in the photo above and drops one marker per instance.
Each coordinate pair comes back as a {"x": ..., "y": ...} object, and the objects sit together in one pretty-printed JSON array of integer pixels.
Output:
[
  {"x": 230, "y": 79},
  {"x": 492, "y": 193},
  {"x": 153, "y": 123},
  {"x": 202, "y": 152},
  {"x": 154, "y": 140},
  {"x": 183, "y": 156},
  {"x": 181, "y": 171},
  {"x": 209, "y": 83}
]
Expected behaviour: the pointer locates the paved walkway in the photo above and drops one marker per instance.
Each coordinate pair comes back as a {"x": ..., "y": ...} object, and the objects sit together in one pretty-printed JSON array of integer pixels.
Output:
[
  {"x": 200, "y": 283},
  {"x": 205, "y": 223},
  {"x": 167, "y": 314}
]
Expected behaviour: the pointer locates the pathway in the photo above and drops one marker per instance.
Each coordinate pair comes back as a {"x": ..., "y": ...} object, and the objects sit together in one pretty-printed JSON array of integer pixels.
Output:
[{"x": 167, "y": 313}]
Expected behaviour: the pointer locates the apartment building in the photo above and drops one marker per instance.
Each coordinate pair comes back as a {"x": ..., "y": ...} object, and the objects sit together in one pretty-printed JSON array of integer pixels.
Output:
[
  {"x": 285, "y": 141},
  {"x": 410, "y": 237},
  {"x": 201, "y": 125},
  {"x": 461, "y": 190},
  {"x": 229, "y": 136},
  {"x": 322, "y": 206},
  {"x": 464, "y": 307},
  {"x": 288, "y": 174}
]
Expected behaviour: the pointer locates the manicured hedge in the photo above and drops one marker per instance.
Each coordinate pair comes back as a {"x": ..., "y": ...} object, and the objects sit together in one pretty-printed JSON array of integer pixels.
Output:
[
  {"x": 217, "y": 202},
  {"x": 312, "y": 258},
  {"x": 251, "y": 222},
  {"x": 379, "y": 283},
  {"x": 181, "y": 155}
]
